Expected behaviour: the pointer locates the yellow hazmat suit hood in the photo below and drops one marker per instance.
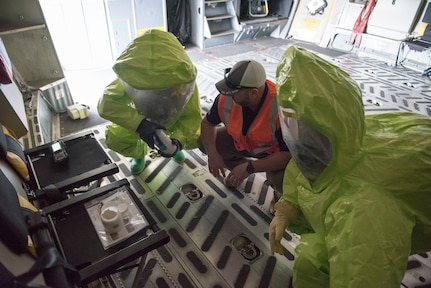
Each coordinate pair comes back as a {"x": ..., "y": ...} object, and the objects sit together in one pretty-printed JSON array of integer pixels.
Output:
[
  {"x": 153, "y": 61},
  {"x": 368, "y": 209},
  {"x": 339, "y": 117}
]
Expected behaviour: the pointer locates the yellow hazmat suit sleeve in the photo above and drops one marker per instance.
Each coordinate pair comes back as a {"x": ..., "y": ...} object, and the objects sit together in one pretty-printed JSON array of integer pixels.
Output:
[
  {"x": 117, "y": 107},
  {"x": 125, "y": 142},
  {"x": 367, "y": 239},
  {"x": 369, "y": 207}
]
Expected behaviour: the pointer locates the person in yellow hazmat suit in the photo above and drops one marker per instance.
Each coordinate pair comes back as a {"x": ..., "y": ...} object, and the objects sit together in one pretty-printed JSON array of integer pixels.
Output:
[
  {"x": 154, "y": 102},
  {"x": 358, "y": 190}
]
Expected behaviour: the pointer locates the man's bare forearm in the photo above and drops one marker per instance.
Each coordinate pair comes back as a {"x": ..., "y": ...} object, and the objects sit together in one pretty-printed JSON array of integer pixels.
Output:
[
  {"x": 273, "y": 162},
  {"x": 208, "y": 137}
]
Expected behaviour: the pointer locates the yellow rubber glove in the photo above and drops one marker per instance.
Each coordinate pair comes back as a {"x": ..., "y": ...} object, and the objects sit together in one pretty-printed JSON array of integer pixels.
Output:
[{"x": 284, "y": 214}]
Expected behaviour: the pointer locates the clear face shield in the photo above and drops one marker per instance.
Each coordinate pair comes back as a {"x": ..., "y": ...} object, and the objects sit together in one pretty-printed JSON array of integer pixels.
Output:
[
  {"x": 310, "y": 149},
  {"x": 162, "y": 106}
]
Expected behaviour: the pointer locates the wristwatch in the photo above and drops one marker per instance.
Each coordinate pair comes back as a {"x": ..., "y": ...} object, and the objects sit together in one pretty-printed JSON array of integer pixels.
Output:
[{"x": 250, "y": 168}]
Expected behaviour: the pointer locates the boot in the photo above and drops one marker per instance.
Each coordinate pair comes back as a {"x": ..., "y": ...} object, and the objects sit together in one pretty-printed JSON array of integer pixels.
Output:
[
  {"x": 137, "y": 166},
  {"x": 179, "y": 157}
]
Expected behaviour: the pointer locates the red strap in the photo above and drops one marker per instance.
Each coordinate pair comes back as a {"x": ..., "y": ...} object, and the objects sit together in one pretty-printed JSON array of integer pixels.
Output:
[
  {"x": 5, "y": 72},
  {"x": 361, "y": 23}
]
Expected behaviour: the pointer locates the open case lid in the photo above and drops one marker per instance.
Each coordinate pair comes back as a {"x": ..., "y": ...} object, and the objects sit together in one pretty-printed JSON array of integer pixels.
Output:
[{"x": 85, "y": 154}]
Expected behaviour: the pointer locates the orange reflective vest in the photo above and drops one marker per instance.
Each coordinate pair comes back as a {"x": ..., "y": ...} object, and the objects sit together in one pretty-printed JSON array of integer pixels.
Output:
[{"x": 260, "y": 136}]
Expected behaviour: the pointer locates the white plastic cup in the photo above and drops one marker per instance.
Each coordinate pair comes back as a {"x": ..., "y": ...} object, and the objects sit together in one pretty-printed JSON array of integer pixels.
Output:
[{"x": 112, "y": 219}]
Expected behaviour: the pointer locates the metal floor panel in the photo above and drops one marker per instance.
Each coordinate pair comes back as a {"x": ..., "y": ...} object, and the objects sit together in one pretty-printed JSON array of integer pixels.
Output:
[{"x": 205, "y": 232}]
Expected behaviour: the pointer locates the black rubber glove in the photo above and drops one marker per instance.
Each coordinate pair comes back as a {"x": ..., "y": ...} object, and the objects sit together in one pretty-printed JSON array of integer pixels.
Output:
[{"x": 146, "y": 130}]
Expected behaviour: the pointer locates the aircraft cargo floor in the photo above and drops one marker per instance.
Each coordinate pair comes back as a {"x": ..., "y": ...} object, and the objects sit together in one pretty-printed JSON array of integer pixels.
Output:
[{"x": 219, "y": 236}]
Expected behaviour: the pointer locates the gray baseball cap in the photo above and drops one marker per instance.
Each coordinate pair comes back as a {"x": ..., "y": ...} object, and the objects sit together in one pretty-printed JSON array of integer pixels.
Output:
[{"x": 244, "y": 74}]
